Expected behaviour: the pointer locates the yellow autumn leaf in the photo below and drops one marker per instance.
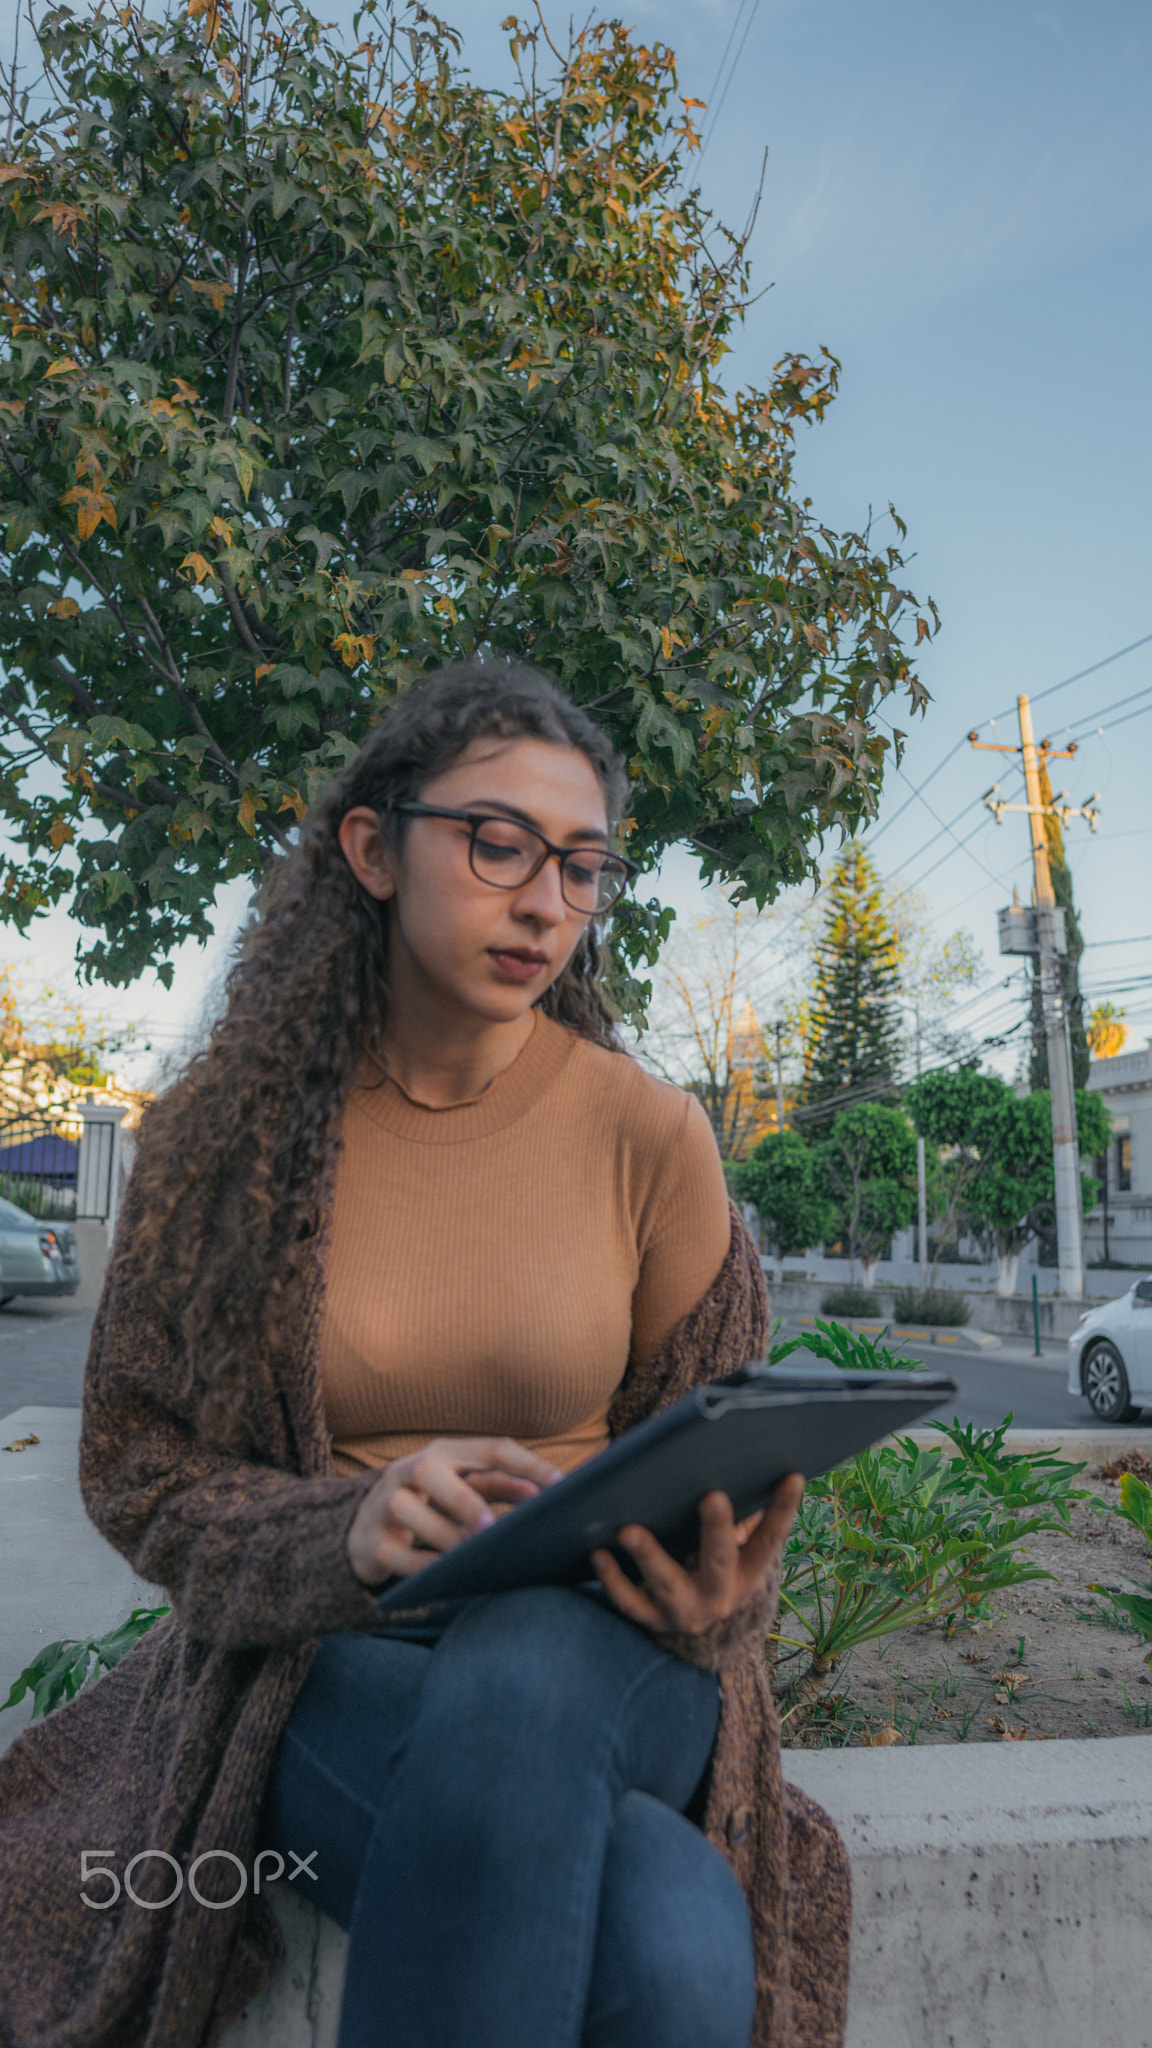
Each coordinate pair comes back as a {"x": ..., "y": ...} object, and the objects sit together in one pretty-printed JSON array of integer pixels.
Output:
[
  {"x": 65, "y": 219},
  {"x": 199, "y": 567},
  {"x": 91, "y": 507},
  {"x": 184, "y": 391},
  {"x": 246, "y": 813},
  {"x": 60, "y": 834},
  {"x": 728, "y": 492},
  {"x": 64, "y": 608},
  {"x": 293, "y": 801},
  {"x": 264, "y": 668},
  {"x": 9, "y": 171},
  {"x": 217, "y": 289},
  {"x": 666, "y": 642},
  {"x": 13, "y": 405},
  {"x": 61, "y": 367},
  {"x": 222, "y": 530}
]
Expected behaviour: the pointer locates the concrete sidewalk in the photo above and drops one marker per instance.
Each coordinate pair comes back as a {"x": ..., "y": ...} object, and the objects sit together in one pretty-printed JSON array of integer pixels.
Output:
[{"x": 60, "y": 1577}]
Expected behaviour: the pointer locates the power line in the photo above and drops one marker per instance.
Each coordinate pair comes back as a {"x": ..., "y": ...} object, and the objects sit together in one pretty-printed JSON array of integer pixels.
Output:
[
  {"x": 732, "y": 73},
  {"x": 1091, "y": 724},
  {"x": 1078, "y": 677}
]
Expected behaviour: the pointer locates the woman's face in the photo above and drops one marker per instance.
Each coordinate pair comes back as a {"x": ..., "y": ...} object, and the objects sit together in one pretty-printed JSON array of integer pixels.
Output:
[{"x": 455, "y": 939}]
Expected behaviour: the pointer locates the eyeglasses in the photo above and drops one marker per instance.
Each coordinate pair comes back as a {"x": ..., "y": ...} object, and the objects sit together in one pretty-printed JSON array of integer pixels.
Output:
[{"x": 507, "y": 854}]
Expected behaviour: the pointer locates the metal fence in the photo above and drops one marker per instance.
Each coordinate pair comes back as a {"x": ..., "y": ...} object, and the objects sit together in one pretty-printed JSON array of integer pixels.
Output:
[
  {"x": 60, "y": 1166},
  {"x": 1121, "y": 1236}
]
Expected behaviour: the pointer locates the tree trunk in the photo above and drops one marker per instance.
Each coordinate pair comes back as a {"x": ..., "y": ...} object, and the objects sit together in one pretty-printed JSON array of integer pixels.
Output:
[
  {"x": 1009, "y": 1266},
  {"x": 868, "y": 1268},
  {"x": 800, "y": 1701}
]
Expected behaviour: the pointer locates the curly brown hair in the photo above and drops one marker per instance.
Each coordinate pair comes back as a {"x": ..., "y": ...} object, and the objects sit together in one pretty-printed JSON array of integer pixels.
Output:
[{"x": 235, "y": 1162}]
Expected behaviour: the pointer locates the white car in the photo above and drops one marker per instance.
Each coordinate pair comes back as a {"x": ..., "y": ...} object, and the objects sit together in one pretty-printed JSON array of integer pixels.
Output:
[{"x": 1110, "y": 1355}]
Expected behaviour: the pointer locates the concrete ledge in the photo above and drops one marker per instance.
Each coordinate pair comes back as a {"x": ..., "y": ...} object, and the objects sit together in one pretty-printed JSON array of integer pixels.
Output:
[
  {"x": 1003, "y": 1894},
  {"x": 1003, "y": 1899}
]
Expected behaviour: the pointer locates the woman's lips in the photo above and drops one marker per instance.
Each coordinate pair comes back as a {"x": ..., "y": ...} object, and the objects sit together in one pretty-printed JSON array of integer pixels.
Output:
[{"x": 519, "y": 966}]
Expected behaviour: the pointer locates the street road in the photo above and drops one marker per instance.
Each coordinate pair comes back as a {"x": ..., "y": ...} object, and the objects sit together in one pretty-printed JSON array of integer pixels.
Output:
[{"x": 43, "y": 1346}]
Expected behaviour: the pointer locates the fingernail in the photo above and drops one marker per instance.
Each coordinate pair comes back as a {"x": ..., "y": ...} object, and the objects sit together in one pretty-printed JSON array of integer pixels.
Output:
[
  {"x": 554, "y": 1476},
  {"x": 485, "y": 1518}
]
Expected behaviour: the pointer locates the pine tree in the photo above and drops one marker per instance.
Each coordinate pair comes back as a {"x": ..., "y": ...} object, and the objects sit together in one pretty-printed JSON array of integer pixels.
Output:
[
  {"x": 855, "y": 1041},
  {"x": 1069, "y": 961}
]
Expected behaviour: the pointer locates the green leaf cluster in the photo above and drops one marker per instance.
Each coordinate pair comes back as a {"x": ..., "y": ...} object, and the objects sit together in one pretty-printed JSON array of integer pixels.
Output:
[
  {"x": 901, "y": 1535},
  {"x": 999, "y": 1147},
  {"x": 777, "y": 1179},
  {"x": 63, "y": 1668},
  {"x": 322, "y": 367},
  {"x": 865, "y": 1171}
]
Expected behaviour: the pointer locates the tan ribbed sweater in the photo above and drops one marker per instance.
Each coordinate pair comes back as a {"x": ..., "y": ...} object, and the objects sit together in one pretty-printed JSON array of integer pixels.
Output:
[{"x": 494, "y": 1266}]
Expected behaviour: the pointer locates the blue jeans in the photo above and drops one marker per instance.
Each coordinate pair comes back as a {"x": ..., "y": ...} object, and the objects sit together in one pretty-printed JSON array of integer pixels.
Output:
[{"x": 497, "y": 1805}]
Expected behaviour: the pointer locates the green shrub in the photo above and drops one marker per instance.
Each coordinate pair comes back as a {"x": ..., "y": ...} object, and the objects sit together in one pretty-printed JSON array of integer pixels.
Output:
[
  {"x": 931, "y": 1305},
  {"x": 849, "y": 1301},
  {"x": 900, "y": 1535}
]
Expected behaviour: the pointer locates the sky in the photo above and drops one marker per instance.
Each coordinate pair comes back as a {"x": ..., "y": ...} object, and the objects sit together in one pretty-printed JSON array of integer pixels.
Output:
[{"x": 958, "y": 203}]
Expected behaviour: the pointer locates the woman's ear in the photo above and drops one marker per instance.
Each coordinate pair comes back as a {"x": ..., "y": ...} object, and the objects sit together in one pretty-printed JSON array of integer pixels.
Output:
[{"x": 364, "y": 848}]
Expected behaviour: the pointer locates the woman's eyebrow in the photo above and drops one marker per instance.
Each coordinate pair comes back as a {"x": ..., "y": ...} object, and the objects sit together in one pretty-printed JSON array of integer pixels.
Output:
[{"x": 497, "y": 805}]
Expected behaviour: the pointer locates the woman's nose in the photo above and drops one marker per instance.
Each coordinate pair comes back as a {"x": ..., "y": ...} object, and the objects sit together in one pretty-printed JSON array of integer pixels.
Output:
[{"x": 543, "y": 896}]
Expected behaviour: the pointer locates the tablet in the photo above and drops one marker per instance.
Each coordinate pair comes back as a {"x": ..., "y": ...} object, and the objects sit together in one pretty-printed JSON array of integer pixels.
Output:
[{"x": 738, "y": 1436}]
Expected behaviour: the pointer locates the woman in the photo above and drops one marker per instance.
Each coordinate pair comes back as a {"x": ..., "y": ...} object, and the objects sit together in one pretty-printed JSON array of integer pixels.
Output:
[{"x": 408, "y": 1240}]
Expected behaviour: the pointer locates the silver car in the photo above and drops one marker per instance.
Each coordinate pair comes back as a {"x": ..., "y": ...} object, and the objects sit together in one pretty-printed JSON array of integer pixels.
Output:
[
  {"x": 1110, "y": 1355},
  {"x": 37, "y": 1254}
]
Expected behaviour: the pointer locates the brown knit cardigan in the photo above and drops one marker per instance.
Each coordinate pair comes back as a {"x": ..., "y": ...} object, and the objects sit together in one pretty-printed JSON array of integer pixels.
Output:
[{"x": 172, "y": 1749}]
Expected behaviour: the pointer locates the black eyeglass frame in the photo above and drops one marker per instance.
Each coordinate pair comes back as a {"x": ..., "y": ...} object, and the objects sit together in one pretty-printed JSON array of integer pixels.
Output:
[{"x": 477, "y": 819}]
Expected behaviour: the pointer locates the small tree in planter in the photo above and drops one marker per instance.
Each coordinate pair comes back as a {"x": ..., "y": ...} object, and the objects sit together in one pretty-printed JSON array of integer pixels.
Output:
[
  {"x": 777, "y": 1180},
  {"x": 866, "y": 1173}
]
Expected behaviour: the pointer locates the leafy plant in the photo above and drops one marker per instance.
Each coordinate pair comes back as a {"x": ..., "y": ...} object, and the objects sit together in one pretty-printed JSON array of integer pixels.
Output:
[
  {"x": 777, "y": 1179},
  {"x": 853, "y": 1350},
  {"x": 1136, "y": 1507},
  {"x": 324, "y": 366},
  {"x": 902, "y": 1535},
  {"x": 931, "y": 1305},
  {"x": 849, "y": 1301},
  {"x": 63, "y": 1668},
  {"x": 865, "y": 1169}
]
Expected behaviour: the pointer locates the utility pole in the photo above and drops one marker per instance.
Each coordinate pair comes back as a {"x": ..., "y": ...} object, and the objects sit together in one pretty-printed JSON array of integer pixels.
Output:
[
  {"x": 1065, "y": 1145},
  {"x": 921, "y": 1176},
  {"x": 778, "y": 1028},
  {"x": 1048, "y": 943}
]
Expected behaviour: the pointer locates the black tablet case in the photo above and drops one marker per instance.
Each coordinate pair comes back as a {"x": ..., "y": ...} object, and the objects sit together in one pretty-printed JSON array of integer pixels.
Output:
[{"x": 739, "y": 1436}]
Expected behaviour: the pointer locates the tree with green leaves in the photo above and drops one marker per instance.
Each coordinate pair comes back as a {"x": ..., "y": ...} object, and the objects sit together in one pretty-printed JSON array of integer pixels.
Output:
[
  {"x": 326, "y": 367},
  {"x": 855, "y": 1039},
  {"x": 996, "y": 1149},
  {"x": 777, "y": 1179},
  {"x": 865, "y": 1170}
]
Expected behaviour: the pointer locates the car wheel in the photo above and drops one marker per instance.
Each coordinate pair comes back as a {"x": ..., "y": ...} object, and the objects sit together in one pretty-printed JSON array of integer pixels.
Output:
[{"x": 1106, "y": 1385}]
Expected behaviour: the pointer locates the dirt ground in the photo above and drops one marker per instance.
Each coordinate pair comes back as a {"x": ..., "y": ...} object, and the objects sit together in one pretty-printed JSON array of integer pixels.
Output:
[{"x": 1051, "y": 1663}]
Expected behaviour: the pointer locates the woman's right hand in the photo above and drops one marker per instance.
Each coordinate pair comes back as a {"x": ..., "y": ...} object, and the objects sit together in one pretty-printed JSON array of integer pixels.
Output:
[{"x": 432, "y": 1499}]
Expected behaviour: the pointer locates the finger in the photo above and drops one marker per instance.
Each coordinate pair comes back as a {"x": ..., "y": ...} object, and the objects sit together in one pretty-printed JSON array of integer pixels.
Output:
[
  {"x": 744, "y": 1529},
  {"x": 765, "y": 1544},
  {"x": 672, "y": 1588},
  {"x": 502, "y": 1486},
  {"x": 499, "y": 1453},
  {"x": 408, "y": 1513},
  {"x": 630, "y": 1599},
  {"x": 436, "y": 1481},
  {"x": 716, "y": 1567}
]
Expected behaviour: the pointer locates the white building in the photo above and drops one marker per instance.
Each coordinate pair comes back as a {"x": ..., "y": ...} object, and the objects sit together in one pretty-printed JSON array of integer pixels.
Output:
[{"x": 1121, "y": 1228}]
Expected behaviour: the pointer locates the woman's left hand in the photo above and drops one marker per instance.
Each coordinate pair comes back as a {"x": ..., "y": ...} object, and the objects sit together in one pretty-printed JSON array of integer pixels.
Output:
[{"x": 734, "y": 1559}]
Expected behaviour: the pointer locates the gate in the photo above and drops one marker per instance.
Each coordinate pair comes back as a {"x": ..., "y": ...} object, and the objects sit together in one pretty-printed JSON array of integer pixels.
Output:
[{"x": 61, "y": 1166}]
